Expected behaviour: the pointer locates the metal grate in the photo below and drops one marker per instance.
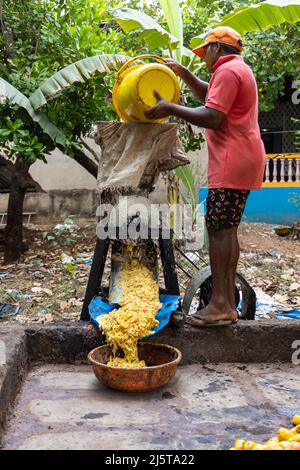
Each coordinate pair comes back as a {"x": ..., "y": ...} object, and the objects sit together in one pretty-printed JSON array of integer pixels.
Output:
[{"x": 279, "y": 121}]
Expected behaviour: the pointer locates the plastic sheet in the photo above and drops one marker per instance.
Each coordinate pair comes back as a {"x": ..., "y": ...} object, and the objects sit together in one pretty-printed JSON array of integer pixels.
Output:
[
  {"x": 266, "y": 306},
  {"x": 295, "y": 314},
  {"x": 100, "y": 306}
]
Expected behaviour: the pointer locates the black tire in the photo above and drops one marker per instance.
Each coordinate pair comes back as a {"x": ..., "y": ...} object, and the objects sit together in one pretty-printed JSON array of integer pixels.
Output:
[{"x": 202, "y": 280}]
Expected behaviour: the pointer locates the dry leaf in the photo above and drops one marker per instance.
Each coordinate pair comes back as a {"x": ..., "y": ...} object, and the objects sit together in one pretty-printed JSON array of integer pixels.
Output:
[
  {"x": 48, "y": 291},
  {"x": 64, "y": 305},
  {"x": 280, "y": 298},
  {"x": 37, "y": 290},
  {"x": 294, "y": 286}
]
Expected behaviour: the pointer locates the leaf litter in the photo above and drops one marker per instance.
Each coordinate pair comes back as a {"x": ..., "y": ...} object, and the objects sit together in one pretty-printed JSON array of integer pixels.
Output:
[{"x": 50, "y": 280}]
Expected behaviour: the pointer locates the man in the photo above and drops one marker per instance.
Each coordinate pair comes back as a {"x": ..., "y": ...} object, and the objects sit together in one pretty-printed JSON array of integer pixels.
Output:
[{"x": 236, "y": 157}]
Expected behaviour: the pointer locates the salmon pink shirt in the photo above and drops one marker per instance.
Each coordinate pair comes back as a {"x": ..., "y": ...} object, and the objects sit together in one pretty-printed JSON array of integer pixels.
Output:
[{"x": 236, "y": 151}]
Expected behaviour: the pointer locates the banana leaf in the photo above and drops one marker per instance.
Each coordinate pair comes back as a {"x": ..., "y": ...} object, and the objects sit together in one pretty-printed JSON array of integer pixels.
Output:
[
  {"x": 14, "y": 96},
  {"x": 185, "y": 174},
  {"x": 173, "y": 16},
  {"x": 153, "y": 34},
  {"x": 259, "y": 16},
  {"x": 79, "y": 71}
]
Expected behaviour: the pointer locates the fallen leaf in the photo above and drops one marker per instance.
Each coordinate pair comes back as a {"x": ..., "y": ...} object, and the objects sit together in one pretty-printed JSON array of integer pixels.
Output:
[
  {"x": 64, "y": 305},
  {"x": 280, "y": 298},
  {"x": 37, "y": 290},
  {"x": 48, "y": 291},
  {"x": 294, "y": 286}
]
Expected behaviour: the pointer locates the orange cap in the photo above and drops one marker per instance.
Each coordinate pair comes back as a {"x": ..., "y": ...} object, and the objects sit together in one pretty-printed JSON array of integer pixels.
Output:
[{"x": 222, "y": 34}]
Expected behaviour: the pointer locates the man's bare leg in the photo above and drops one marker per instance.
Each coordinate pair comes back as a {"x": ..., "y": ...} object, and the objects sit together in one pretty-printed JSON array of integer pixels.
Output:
[
  {"x": 220, "y": 253},
  {"x": 235, "y": 254}
]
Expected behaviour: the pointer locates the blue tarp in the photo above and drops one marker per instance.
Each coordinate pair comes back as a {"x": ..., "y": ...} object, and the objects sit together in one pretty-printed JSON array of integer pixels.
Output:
[
  {"x": 290, "y": 314},
  {"x": 100, "y": 306}
]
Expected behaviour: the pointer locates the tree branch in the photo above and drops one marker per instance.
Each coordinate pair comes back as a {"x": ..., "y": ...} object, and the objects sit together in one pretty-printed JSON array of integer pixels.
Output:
[
  {"x": 9, "y": 53},
  {"x": 86, "y": 162},
  {"x": 92, "y": 151}
]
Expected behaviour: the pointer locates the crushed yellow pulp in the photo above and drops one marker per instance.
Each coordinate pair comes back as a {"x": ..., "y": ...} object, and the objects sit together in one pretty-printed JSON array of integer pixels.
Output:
[
  {"x": 286, "y": 439},
  {"x": 135, "y": 318}
]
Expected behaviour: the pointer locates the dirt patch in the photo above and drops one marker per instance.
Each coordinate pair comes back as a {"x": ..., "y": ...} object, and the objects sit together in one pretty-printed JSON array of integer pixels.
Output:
[
  {"x": 262, "y": 238},
  {"x": 50, "y": 280}
]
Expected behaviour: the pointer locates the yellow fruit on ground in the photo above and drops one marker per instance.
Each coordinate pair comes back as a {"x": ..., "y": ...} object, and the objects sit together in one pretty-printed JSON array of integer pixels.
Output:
[
  {"x": 284, "y": 434},
  {"x": 274, "y": 440},
  {"x": 294, "y": 446},
  {"x": 287, "y": 439},
  {"x": 239, "y": 444},
  {"x": 295, "y": 438},
  {"x": 285, "y": 445},
  {"x": 296, "y": 420},
  {"x": 273, "y": 446},
  {"x": 249, "y": 445},
  {"x": 258, "y": 447}
]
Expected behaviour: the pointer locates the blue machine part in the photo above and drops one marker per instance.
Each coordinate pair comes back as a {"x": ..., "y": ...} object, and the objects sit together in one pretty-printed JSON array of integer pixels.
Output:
[{"x": 100, "y": 306}]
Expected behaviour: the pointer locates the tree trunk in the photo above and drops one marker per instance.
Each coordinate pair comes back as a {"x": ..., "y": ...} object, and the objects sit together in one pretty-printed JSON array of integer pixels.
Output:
[
  {"x": 86, "y": 162},
  {"x": 14, "y": 226}
]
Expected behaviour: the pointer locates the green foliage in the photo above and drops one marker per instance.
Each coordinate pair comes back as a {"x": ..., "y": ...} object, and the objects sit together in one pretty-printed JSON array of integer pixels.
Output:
[
  {"x": 64, "y": 32},
  {"x": 9, "y": 94},
  {"x": 272, "y": 54},
  {"x": 16, "y": 140},
  {"x": 153, "y": 34},
  {"x": 257, "y": 16},
  {"x": 80, "y": 71},
  {"x": 263, "y": 15},
  {"x": 186, "y": 176},
  {"x": 70, "y": 269},
  {"x": 60, "y": 33},
  {"x": 173, "y": 16}
]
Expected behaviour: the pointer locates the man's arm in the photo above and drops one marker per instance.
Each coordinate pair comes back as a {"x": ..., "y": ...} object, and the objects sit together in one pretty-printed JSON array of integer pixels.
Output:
[
  {"x": 203, "y": 117},
  {"x": 198, "y": 87}
]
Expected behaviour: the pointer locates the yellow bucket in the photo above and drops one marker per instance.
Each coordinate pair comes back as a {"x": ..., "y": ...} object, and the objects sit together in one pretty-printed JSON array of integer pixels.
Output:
[{"x": 134, "y": 86}]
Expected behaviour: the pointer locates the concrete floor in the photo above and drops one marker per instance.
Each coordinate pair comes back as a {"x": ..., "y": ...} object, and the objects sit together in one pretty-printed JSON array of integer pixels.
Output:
[{"x": 205, "y": 407}]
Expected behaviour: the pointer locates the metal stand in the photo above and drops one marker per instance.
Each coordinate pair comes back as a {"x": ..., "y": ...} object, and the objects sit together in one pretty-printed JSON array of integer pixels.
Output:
[{"x": 96, "y": 273}]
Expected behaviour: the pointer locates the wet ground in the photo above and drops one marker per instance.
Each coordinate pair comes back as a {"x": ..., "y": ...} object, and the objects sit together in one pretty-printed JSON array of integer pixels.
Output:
[{"x": 204, "y": 407}]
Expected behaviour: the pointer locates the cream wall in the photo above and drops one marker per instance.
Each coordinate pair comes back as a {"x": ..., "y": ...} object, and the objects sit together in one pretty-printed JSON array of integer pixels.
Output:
[
  {"x": 61, "y": 172},
  {"x": 70, "y": 189}
]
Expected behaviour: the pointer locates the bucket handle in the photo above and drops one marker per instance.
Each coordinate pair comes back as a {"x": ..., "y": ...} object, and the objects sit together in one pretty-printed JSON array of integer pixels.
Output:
[{"x": 144, "y": 56}]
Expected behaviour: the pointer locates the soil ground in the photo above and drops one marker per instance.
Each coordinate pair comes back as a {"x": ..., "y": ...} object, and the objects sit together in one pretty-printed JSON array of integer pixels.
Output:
[{"x": 50, "y": 287}]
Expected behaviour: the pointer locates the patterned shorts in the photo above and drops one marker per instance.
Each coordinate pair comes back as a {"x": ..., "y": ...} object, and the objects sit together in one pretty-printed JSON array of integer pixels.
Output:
[{"x": 225, "y": 207}]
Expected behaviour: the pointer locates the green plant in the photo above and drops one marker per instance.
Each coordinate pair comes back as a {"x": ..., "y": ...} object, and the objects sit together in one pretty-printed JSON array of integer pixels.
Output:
[
  {"x": 70, "y": 269},
  {"x": 61, "y": 63},
  {"x": 189, "y": 196},
  {"x": 60, "y": 33},
  {"x": 245, "y": 19},
  {"x": 257, "y": 17}
]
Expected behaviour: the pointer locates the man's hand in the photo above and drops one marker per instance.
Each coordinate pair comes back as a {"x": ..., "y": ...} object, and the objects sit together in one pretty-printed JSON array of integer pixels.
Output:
[
  {"x": 161, "y": 110},
  {"x": 177, "y": 68}
]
